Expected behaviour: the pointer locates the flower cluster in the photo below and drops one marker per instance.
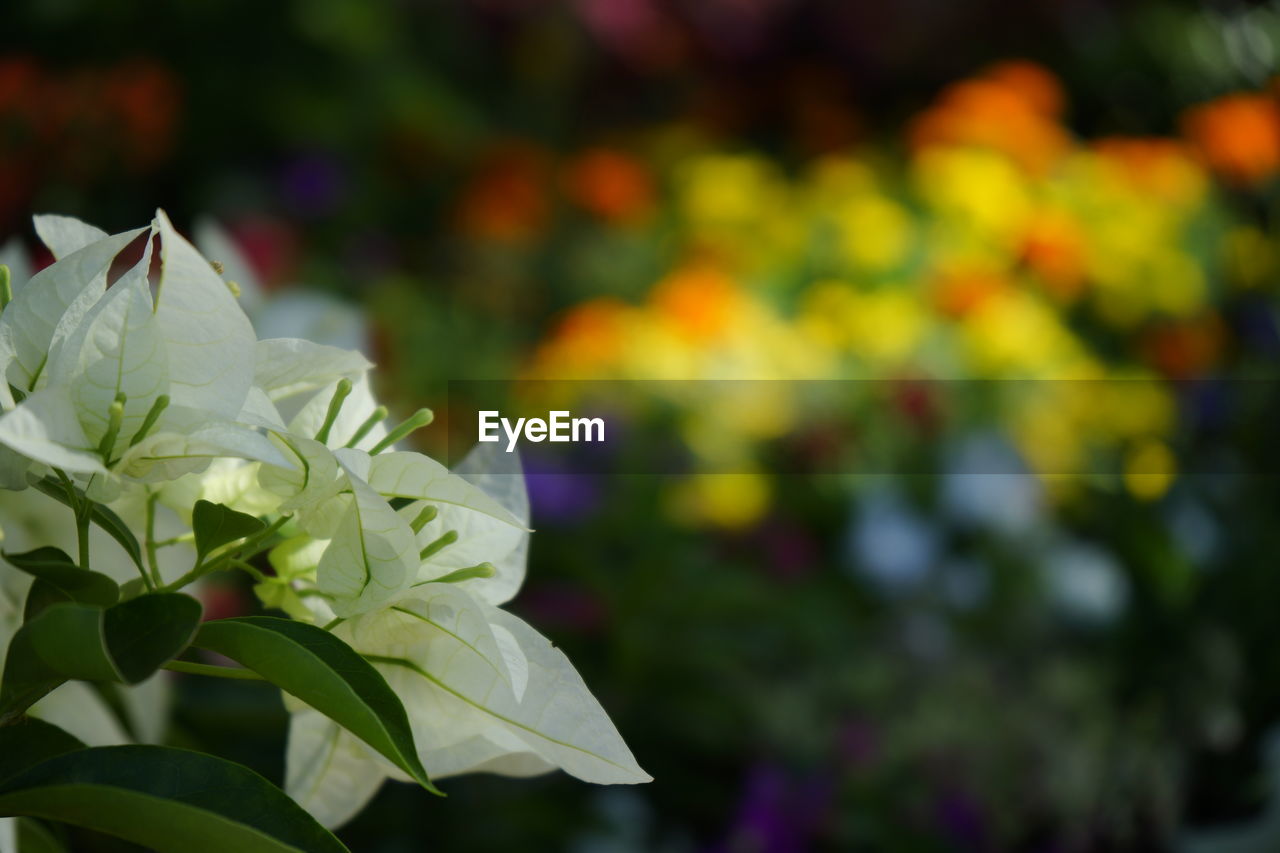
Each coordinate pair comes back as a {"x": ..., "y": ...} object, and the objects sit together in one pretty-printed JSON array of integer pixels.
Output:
[
  {"x": 136, "y": 387},
  {"x": 1001, "y": 248}
]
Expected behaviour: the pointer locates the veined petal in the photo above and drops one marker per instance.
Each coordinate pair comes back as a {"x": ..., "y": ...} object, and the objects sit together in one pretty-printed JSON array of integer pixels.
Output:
[
  {"x": 57, "y": 297},
  {"x": 501, "y": 476},
  {"x": 328, "y": 771},
  {"x": 558, "y": 719},
  {"x": 209, "y": 339},
  {"x": 480, "y": 539},
  {"x": 187, "y": 440},
  {"x": 65, "y": 235},
  {"x": 446, "y": 631},
  {"x": 259, "y": 411},
  {"x": 284, "y": 367},
  {"x": 358, "y": 406},
  {"x": 118, "y": 349},
  {"x": 44, "y": 427},
  {"x": 373, "y": 555},
  {"x": 405, "y": 474}
]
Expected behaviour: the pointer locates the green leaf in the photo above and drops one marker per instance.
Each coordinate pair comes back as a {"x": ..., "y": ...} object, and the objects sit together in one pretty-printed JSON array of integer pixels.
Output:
[
  {"x": 166, "y": 799},
  {"x": 126, "y": 643},
  {"x": 59, "y": 579},
  {"x": 25, "y": 744},
  {"x": 323, "y": 671},
  {"x": 98, "y": 514},
  {"x": 217, "y": 524},
  {"x": 35, "y": 837}
]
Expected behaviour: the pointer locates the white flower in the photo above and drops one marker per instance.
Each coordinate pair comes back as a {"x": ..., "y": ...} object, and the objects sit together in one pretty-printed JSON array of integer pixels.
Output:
[
  {"x": 153, "y": 387},
  {"x": 484, "y": 691},
  {"x": 119, "y": 381}
]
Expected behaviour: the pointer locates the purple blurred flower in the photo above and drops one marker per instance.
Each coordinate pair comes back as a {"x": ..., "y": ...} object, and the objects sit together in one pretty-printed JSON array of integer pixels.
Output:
[
  {"x": 564, "y": 606},
  {"x": 313, "y": 184},
  {"x": 960, "y": 817},
  {"x": 858, "y": 744},
  {"x": 777, "y": 812},
  {"x": 557, "y": 496}
]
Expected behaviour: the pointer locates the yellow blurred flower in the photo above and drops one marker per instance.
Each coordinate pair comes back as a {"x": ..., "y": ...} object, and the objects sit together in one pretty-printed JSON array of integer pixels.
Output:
[
  {"x": 723, "y": 500},
  {"x": 1149, "y": 469}
]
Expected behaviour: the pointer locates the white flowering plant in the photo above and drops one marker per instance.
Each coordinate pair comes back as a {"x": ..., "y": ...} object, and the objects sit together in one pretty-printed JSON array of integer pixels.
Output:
[{"x": 139, "y": 403}]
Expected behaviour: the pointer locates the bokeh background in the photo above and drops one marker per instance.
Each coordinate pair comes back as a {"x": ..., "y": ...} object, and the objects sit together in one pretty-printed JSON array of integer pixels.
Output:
[{"x": 1046, "y": 621}]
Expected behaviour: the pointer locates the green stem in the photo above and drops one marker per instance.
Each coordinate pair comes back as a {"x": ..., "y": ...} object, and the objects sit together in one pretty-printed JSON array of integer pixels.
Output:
[
  {"x": 252, "y": 570},
  {"x": 81, "y": 510},
  {"x": 210, "y": 669},
  {"x": 150, "y": 540},
  {"x": 230, "y": 556}
]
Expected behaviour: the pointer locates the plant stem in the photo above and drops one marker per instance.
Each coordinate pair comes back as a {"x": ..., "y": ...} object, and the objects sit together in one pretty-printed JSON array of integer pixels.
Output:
[
  {"x": 210, "y": 669},
  {"x": 252, "y": 570},
  {"x": 150, "y": 540},
  {"x": 81, "y": 510},
  {"x": 231, "y": 556}
]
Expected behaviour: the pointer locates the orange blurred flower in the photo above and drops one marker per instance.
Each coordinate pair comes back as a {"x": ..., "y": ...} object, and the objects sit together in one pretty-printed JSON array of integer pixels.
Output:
[
  {"x": 506, "y": 200},
  {"x": 1012, "y": 108},
  {"x": 611, "y": 184},
  {"x": 1238, "y": 136},
  {"x": 589, "y": 335},
  {"x": 78, "y": 125},
  {"x": 1155, "y": 166},
  {"x": 699, "y": 300},
  {"x": 1185, "y": 349},
  {"x": 957, "y": 293},
  {"x": 1054, "y": 249}
]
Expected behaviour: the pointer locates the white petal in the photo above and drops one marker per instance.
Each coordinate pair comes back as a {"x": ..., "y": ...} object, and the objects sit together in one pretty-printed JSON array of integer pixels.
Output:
[
  {"x": 288, "y": 366},
  {"x": 69, "y": 287},
  {"x": 557, "y": 719},
  {"x": 14, "y": 256},
  {"x": 65, "y": 235},
  {"x": 446, "y": 632},
  {"x": 187, "y": 440},
  {"x": 560, "y": 720},
  {"x": 217, "y": 245},
  {"x": 328, "y": 771},
  {"x": 147, "y": 705},
  {"x": 373, "y": 555},
  {"x": 358, "y": 406},
  {"x": 119, "y": 348},
  {"x": 514, "y": 658},
  {"x": 78, "y": 710},
  {"x": 259, "y": 411},
  {"x": 209, "y": 338},
  {"x": 406, "y": 474},
  {"x": 501, "y": 476},
  {"x": 481, "y": 539},
  {"x": 44, "y": 427}
]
